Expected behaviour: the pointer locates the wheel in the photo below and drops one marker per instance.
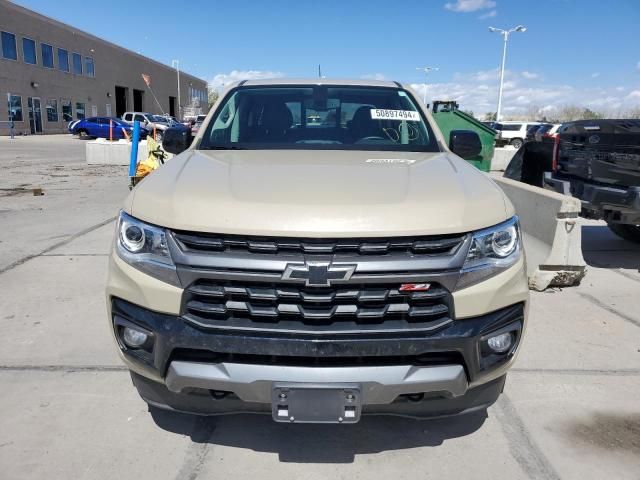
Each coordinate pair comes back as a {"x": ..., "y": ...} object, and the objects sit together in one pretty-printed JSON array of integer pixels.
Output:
[
  {"x": 83, "y": 134},
  {"x": 516, "y": 142},
  {"x": 159, "y": 136},
  {"x": 628, "y": 232}
]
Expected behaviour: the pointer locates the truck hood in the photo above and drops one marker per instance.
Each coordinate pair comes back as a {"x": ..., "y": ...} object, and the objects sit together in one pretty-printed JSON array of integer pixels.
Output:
[{"x": 319, "y": 194}]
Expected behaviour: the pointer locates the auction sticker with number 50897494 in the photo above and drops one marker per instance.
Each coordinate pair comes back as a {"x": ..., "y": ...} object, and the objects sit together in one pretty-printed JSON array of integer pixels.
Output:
[{"x": 382, "y": 114}]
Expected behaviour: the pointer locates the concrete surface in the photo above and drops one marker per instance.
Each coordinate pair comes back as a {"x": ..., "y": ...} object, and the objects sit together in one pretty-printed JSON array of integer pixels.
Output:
[
  {"x": 501, "y": 158},
  {"x": 69, "y": 411},
  {"x": 104, "y": 152}
]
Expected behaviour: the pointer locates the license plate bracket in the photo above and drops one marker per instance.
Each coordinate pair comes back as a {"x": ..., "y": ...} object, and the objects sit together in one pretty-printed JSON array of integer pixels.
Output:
[{"x": 305, "y": 403}]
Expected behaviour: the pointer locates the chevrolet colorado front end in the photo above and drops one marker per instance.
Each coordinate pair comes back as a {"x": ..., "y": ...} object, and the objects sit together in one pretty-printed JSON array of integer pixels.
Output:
[{"x": 318, "y": 252}]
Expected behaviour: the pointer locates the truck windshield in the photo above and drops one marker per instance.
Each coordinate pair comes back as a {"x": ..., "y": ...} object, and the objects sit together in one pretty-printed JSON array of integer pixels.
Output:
[{"x": 319, "y": 117}]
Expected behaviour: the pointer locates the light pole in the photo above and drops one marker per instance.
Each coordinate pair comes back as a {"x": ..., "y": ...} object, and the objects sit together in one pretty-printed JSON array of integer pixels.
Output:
[
  {"x": 505, "y": 36},
  {"x": 426, "y": 71},
  {"x": 176, "y": 64}
]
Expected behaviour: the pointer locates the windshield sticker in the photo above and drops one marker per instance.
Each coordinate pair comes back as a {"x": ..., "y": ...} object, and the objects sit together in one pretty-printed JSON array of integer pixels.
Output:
[{"x": 381, "y": 114}]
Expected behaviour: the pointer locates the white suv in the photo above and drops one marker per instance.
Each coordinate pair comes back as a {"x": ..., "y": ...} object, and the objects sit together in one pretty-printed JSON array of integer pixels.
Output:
[
  {"x": 513, "y": 133},
  {"x": 149, "y": 121}
]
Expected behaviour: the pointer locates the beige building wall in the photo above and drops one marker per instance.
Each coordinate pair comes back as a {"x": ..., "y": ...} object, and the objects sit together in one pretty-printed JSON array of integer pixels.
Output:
[{"x": 114, "y": 66}]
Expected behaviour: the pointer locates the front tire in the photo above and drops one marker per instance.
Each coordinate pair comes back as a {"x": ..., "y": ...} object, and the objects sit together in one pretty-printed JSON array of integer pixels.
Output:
[
  {"x": 628, "y": 232},
  {"x": 83, "y": 134},
  {"x": 517, "y": 142}
]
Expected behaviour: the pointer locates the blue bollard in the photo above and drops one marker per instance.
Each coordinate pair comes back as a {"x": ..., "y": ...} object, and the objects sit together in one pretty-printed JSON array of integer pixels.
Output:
[{"x": 133, "y": 162}]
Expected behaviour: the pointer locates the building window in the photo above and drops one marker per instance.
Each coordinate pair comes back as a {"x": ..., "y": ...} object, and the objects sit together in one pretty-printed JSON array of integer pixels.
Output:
[
  {"x": 67, "y": 116},
  {"x": 52, "y": 110},
  {"x": 15, "y": 108},
  {"x": 89, "y": 69},
  {"x": 47, "y": 55},
  {"x": 9, "y": 50},
  {"x": 29, "y": 51},
  {"x": 77, "y": 64},
  {"x": 63, "y": 60},
  {"x": 79, "y": 110}
]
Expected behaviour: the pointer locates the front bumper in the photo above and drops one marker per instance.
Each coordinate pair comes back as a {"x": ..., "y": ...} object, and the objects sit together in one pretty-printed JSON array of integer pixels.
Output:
[{"x": 193, "y": 370}]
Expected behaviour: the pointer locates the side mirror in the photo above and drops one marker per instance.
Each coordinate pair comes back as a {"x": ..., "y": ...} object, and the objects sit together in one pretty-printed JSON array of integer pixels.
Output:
[
  {"x": 176, "y": 139},
  {"x": 465, "y": 143}
]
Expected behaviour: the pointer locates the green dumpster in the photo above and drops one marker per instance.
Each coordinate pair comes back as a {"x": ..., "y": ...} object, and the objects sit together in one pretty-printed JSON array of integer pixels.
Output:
[{"x": 449, "y": 118}]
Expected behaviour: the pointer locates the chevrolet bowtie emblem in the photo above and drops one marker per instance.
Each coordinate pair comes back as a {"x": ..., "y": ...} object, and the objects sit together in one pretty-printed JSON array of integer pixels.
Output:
[{"x": 318, "y": 274}]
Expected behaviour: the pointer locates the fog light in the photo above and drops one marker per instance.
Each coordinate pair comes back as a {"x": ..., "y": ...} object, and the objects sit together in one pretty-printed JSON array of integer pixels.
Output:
[
  {"x": 134, "y": 338},
  {"x": 500, "y": 343}
]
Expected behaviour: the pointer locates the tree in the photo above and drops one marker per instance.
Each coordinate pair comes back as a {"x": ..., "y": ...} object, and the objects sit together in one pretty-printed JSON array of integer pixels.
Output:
[
  {"x": 490, "y": 117},
  {"x": 213, "y": 96}
]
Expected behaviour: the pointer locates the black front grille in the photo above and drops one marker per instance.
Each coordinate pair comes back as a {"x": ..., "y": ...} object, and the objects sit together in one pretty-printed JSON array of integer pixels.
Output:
[
  {"x": 289, "y": 307},
  {"x": 428, "y": 245}
]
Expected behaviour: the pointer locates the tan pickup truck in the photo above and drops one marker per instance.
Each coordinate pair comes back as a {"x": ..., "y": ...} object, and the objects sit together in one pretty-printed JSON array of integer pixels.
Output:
[{"x": 318, "y": 252}]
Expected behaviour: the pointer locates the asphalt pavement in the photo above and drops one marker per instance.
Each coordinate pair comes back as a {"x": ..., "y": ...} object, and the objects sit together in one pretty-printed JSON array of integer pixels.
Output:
[{"x": 68, "y": 410}]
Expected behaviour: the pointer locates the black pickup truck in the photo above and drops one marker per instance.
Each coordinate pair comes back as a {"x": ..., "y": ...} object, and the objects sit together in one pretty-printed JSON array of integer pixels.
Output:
[{"x": 598, "y": 161}]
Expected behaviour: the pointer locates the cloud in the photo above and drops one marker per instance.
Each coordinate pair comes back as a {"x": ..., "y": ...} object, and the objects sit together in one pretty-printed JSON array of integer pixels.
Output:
[
  {"x": 222, "y": 79},
  {"x": 525, "y": 91},
  {"x": 595, "y": 74},
  {"x": 490, "y": 14},
  {"x": 374, "y": 76},
  {"x": 530, "y": 75},
  {"x": 467, "y": 6}
]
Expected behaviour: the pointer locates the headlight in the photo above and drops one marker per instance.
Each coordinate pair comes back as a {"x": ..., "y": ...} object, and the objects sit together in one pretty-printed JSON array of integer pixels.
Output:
[
  {"x": 144, "y": 247},
  {"x": 492, "y": 251}
]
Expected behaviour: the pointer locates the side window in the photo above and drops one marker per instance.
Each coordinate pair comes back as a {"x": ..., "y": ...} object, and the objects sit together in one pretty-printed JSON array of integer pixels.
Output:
[
  {"x": 15, "y": 108},
  {"x": 47, "y": 55},
  {"x": 29, "y": 51},
  {"x": 225, "y": 129},
  {"x": 127, "y": 117},
  {"x": 67, "y": 116},
  {"x": 139, "y": 118},
  {"x": 52, "y": 110},
  {"x": 79, "y": 110},
  {"x": 63, "y": 60},
  {"x": 77, "y": 64},
  {"x": 9, "y": 50}
]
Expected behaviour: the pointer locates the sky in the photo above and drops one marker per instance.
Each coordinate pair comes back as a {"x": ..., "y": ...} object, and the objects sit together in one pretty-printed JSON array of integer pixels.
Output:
[{"x": 574, "y": 52}]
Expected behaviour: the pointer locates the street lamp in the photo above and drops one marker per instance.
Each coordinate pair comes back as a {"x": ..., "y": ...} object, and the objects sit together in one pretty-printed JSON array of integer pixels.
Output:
[
  {"x": 505, "y": 36},
  {"x": 176, "y": 65},
  {"x": 426, "y": 71}
]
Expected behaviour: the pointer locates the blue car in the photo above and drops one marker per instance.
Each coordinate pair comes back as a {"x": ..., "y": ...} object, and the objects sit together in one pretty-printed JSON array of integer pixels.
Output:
[{"x": 98, "y": 127}]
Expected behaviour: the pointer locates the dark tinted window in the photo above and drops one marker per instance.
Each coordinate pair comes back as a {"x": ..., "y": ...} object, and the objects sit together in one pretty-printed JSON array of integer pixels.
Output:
[
  {"x": 52, "y": 110},
  {"x": 47, "y": 55},
  {"x": 79, "y": 110},
  {"x": 29, "y": 51},
  {"x": 511, "y": 127},
  {"x": 9, "y": 49},
  {"x": 63, "y": 60},
  {"x": 89, "y": 68},
  {"x": 319, "y": 117},
  {"x": 77, "y": 64},
  {"x": 15, "y": 107}
]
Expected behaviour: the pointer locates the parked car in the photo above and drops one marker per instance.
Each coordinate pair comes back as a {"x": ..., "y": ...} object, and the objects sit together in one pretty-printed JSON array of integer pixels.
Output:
[
  {"x": 149, "y": 121},
  {"x": 533, "y": 129},
  {"x": 103, "y": 127},
  {"x": 513, "y": 133},
  {"x": 547, "y": 132},
  {"x": 318, "y": 272},
  {"x": 598, "y": 162}
]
